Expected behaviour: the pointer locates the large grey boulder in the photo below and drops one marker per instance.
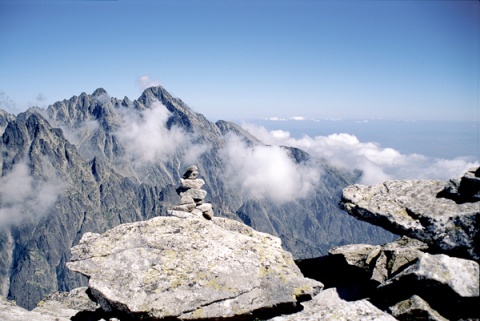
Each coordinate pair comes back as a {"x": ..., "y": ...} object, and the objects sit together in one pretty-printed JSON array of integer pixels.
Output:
[
  {"x": 190, "y": 268},
  {"x": 380, "y": 262},
  {"x": 328, "y": 306},
  {"x": 464, "y": 189},
  {"x": 414, "y": 308},
  {"x": 416, "y": 209},
  {"x": 65, "y": 305},
  {"x": 450, "y": 285},
  {"x": 9, "y": 311}
]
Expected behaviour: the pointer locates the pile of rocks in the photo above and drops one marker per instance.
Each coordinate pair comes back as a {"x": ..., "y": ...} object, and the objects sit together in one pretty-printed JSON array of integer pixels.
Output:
[
  {"x": 432, "y": 272},
  {"x": 191, "y": 195}
]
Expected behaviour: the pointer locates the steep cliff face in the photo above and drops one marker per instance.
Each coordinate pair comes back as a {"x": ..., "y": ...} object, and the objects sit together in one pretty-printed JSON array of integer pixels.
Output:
[{"x": 92, "y": 162}]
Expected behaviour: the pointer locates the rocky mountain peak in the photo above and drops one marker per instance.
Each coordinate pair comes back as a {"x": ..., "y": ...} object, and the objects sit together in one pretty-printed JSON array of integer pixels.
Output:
[{"x": 99, "y": 92}]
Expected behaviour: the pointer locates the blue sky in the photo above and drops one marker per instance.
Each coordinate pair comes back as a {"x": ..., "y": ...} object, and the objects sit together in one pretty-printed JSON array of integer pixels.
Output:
[{"x": 245, "y": 59}]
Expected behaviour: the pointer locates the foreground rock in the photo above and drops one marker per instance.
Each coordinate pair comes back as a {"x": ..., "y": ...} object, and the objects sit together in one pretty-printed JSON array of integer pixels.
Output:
[
  {"x": 415, "y": 308},
  {"x": 169, "y": 267},
  {"x": 9, "y": 311},
  {"x": 417, "y": 209},
  {"x": 65, "y": 305},
  {"x": 402, "y": 278},
  {"x": 328, "y": 306}
]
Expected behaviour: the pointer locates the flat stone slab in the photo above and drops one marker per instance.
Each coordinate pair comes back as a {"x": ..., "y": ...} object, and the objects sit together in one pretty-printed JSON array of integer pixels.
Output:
[
  {"x": 415, "y": 209},
  {"x": 169, "y": 267}
]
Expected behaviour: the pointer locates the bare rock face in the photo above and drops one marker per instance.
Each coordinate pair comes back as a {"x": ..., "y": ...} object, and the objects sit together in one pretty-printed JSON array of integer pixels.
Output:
[
  {"x": 189, "y": 268},
  {"x": 65, "y": 305},
  {"x": 380, "y": 262},
  {"x": 418, "y": 209},
  {"x": 415, "y": 308},
  {"x": 9, "y": 311},
  {"x": 328, "y": 306}
]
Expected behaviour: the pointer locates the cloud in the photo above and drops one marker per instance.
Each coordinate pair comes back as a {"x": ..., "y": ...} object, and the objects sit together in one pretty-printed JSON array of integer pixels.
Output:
[
  {"x": 297, "y": 118},
  {"x": 377, "y": 163},
  {"x": 145, "y": 82},
  {"x": 266, "y": 172},
  {"x": 146, "y": 136},
  {"x": 22, "y": 197},
  {"x": 81, "y": 133}
]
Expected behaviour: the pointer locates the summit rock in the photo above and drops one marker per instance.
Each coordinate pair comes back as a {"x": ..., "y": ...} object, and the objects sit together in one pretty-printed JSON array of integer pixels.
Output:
[
  {"x": 168, "y": 267},
  {"x": 418, "y": 209}
]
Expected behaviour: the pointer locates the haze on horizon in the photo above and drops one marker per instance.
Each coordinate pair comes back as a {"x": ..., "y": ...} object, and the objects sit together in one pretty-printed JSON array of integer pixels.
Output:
[{"x": 246, "y": 59}]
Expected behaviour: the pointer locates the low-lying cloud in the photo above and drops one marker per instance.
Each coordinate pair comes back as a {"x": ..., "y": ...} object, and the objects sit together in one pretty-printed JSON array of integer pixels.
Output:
[
  {"x": 377, "y": 163},
  {"x": 146, "y": 136},
  {"x": 24, "y": 198},
  {"x": 266, "y": 172}
]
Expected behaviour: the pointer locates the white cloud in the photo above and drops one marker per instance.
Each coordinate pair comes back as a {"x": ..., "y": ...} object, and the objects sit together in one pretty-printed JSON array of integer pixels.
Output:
[
  {"x": 297, "y": 118},
  {"x": 377, "y": 163},
  {"x": 23, "y": 197},
  {"x": 81, "y": 133},
  {"x": 146, "y": 136},
  {"x": 266, "y": 172},
  {"x": 145, "y": 82}
]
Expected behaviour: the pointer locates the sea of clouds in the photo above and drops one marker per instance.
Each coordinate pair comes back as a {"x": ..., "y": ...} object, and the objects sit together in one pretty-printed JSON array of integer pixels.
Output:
[{"x": 377, "y": 163}]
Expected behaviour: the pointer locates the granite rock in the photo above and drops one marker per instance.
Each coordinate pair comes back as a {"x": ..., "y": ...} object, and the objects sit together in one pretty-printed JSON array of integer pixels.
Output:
[
  {"x": 169, "y": 267},
  {"x": 414, "y": 208}
]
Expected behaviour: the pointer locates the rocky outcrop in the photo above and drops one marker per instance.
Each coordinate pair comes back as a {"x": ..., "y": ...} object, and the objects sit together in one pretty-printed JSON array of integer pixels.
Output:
[
  {"x": 328, "y": 306},
  {"x": 415, "y": 308},
  {"x": 66, "y": 305},
  {"x": 168, "y": 267},
  {"x": 10, "y": 311},
  {"x": 464, "y": 189},
  {"x": 418, "y": 209},
  {"x": 433, "y": 274}
]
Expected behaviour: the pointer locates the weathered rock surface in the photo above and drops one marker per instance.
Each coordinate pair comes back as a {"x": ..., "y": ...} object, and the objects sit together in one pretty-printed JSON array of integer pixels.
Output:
[
  {"x": 414, "y": 308},
  {"x": 66, "y": 304},
  {"x": 9, "y": 311},
  {"x": 189, "y": 269},
  {"x": 381, "y": 262},
  {"x": 392, "y": 273},
  {"x": 414, "y": 208},
  {"x": 464, "y": 189},
  {"x": 450, "y": 285},
  {"x": 328, "y": 306}
]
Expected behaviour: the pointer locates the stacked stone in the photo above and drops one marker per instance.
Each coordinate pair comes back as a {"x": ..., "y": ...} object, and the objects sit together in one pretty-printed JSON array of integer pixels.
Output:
[{"x": 191, "y": 194}]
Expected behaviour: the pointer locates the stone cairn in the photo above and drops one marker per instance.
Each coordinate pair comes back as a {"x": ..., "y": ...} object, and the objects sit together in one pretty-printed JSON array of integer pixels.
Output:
[{"x": 191, "y": 195}]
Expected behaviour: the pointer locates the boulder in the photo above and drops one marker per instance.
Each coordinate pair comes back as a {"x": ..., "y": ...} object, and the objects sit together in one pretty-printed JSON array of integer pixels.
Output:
[
  {"x": 464, "y": 189},
  {"x": 66, "y": 304},
  {"x": 414, "y": 208},
  {"x": 381, "y": 262},
  {"x": 10, "y": 311},
  {"x": 328, "y": 306},
  {"x": 168, "y": 267},
  {"x": 414, "y": 308},
  {"x": 450, "y": 285}
]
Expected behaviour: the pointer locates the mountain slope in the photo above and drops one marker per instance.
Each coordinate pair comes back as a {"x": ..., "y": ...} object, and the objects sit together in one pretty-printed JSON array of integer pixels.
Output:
[{"x": 92, "y": 162}]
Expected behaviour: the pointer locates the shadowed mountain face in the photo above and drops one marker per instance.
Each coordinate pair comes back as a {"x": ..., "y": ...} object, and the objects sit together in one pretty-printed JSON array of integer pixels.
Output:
[{"x": 92, "y": 162}]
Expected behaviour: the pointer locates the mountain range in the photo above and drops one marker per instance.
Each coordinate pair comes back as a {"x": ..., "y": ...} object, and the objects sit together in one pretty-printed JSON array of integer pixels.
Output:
[{"x": 92, "y": 162}]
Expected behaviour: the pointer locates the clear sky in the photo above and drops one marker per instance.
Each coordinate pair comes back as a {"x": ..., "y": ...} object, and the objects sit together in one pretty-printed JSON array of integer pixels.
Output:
[{"x": 253, "y": 58}]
